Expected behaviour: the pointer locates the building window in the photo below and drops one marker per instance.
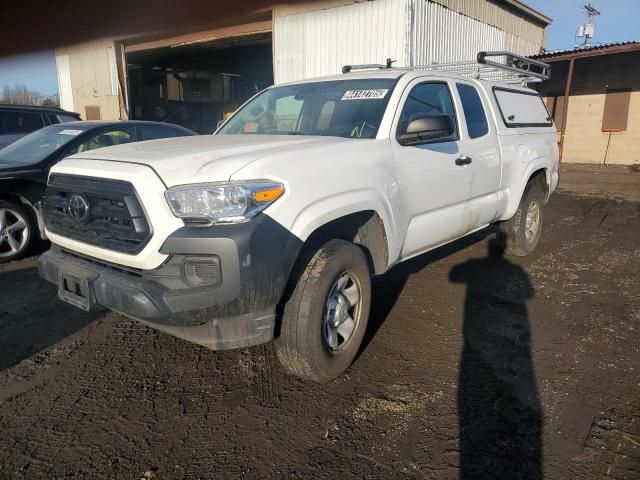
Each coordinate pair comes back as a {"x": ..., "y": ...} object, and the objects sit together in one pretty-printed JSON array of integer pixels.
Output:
[
  {"x": 616, "y": 110},
  {"x": 92, "y": 112}
]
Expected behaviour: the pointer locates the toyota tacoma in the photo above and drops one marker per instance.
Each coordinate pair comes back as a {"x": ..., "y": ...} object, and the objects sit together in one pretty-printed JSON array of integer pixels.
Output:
[{"x": 272, "y": 228}]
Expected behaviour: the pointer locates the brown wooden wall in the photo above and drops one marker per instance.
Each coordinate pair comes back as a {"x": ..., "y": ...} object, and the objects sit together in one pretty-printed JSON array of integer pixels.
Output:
[{"x": 595, "y": 134}]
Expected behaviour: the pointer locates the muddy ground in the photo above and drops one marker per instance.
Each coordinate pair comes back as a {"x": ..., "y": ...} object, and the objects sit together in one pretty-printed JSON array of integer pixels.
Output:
[{"x": 474, "y": 367}]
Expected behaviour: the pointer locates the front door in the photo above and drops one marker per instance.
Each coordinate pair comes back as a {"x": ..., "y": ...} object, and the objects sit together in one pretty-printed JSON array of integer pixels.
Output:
[{"x": 435, "y": 180}]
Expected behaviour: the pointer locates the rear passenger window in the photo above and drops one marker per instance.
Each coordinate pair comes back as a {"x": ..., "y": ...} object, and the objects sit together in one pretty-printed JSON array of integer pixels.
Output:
[
  {"x": 521, "y": 108},
  {"x": 67, "y": 118},
  {"x": 20, "y": 122},
  {"x": 53, "y": 119},
  {"x": 108, "y": 138},
  {"x": 153, "y": 132},
  {"x": 474, "y": 113}
]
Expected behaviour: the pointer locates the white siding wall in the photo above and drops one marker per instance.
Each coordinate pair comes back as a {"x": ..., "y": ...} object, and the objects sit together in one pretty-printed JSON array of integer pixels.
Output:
[
  {"x": 64, "y": 82},
  {"x": 413, "y": 32},
  {"x": 320, "y": 42},
  {"x": 494, "y": 13},
  {"x": 87, "y": 75},
  {"x": 441, "y": 35}
]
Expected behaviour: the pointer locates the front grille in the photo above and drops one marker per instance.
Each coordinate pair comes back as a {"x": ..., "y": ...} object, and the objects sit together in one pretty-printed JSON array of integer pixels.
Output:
[
  {"x": 114, "y": 218},
  {"x": 132, "y": 272}
]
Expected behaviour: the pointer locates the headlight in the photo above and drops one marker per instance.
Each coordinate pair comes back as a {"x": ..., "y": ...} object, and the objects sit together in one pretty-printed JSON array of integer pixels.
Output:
[{"x": 228, "y": 202}]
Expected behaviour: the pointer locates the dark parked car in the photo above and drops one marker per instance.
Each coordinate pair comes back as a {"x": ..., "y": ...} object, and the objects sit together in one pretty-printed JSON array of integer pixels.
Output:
[
  {"x": 16, "y": 121},
  {"x": 25, "y": 164}
]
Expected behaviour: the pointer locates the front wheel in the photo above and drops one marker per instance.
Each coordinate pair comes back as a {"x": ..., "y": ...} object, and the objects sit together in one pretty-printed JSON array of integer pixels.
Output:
[
  {"x": 326, "y": 316},
  {"x": 17, "y": 231},
  {"x": 521, "y": 233}
]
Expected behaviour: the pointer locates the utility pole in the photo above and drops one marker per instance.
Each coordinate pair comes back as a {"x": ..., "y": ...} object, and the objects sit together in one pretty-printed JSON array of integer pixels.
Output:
[{"x": 588, "y": 30}]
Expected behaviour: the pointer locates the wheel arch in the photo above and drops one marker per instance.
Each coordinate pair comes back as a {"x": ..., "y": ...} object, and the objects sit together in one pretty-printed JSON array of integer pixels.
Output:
[
  {"x": 21, "y": 200},
  {"x": 364, "y": 228},
  {"x": 367, "y": 212},
  {"x": 535, "y": 171}
]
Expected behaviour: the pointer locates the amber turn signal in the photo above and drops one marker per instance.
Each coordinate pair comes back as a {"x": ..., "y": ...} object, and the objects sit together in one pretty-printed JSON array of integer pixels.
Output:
[{"x": 269, "y": 195}]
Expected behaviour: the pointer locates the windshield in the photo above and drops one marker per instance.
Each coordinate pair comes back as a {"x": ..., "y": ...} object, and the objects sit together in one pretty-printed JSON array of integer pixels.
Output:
[
  {"x": 341, "y": 108},
  {"x": 37, "y": 145}
]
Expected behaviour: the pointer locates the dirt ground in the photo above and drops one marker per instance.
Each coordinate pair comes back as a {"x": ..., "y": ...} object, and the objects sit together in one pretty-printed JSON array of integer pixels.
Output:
[{"x": 475, "y": 366}]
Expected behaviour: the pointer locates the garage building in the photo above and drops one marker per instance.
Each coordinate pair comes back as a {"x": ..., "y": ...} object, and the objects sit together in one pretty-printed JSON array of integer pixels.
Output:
[
  {"x": 600, "y": 121},
  {"x": 195, "y": 78}
]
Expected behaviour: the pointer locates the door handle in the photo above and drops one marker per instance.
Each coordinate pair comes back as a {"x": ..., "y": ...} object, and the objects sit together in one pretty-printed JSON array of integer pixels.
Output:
[{"x": 463, "y": 160}]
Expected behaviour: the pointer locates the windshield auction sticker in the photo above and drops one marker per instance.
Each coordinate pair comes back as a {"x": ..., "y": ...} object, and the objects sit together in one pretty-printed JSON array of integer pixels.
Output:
[
  {"x": 373, "y": 94},
  {"x": 70, "y": 132}
]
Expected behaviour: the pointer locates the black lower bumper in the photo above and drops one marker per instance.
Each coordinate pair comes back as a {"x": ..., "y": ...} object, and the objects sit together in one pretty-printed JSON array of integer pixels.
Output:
[{"x": 219, "y": 286}]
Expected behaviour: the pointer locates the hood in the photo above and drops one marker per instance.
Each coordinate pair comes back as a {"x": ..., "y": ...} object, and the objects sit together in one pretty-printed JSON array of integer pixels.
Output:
[{"x": 206, "y": 158}]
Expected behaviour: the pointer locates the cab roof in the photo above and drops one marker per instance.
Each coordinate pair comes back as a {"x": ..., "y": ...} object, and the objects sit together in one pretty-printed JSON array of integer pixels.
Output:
[{"x": 408, "y": 73}]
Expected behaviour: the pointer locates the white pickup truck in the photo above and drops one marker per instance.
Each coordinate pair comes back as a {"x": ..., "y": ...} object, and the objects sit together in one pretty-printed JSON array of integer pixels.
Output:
[{"x": 272, "y": 228}]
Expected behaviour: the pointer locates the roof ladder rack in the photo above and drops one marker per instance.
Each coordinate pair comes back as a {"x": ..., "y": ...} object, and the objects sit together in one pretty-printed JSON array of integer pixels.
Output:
[
  {"x": 528, "y": 67},
  {"x": 368, "y": 66},
  {"x": 498, "y": 66}
]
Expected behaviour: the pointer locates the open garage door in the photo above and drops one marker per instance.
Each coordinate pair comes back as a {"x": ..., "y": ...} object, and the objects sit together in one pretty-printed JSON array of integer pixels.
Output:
[{"x": 197, "y": 82}]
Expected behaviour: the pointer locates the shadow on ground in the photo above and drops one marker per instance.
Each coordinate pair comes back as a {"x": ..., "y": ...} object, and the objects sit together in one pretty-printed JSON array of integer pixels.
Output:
[
  {"x": 32, "y": 318},
  {"x": 499, "y": 410},
  {"x": 387, "y": 287}
]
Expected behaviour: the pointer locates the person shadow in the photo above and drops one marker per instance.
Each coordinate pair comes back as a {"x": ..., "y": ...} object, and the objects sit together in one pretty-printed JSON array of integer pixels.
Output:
[{"x": 499, "y": 409}]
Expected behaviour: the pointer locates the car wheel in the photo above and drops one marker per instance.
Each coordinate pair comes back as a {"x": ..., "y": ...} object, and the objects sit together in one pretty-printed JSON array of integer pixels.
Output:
[
  {"x": 17, "y": 231},
  {"x": 325, "y": 317},
  {"x": 521, "y": 234}
]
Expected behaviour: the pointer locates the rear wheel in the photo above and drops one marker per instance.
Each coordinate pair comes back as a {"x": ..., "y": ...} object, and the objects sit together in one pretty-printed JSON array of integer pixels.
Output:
[
  {"x": 17, "y": 231},
  {"x": 521, "y": 233},
  {"x": 326, "y": 316}
]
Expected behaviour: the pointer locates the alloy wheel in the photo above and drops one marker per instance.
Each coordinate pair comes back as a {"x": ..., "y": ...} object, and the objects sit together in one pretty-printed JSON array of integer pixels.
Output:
[{"x": 14, "y": 232}]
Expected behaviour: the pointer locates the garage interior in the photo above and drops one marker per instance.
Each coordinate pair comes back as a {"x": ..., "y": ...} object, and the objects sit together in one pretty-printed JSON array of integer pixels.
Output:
[{"x": 196, "y": 84}]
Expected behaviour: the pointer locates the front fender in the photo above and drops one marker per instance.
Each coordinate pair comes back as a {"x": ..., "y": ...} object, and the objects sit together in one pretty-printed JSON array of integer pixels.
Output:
[{"x": 329, "y": 208}]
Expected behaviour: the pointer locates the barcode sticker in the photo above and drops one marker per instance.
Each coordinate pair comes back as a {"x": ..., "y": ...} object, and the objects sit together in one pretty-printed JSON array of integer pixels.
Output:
[{"x": 373, "y": 94}]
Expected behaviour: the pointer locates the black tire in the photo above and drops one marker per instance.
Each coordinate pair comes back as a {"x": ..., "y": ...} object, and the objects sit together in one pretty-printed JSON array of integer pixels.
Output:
[
  {"x": 302, "y": 345},
  {"x": 12, "y": 212},
  {"x": 517, "y": 238}
]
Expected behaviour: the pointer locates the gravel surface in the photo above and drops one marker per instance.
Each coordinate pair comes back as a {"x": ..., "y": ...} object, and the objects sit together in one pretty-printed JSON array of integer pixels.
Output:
[{"x": 475, "y": 366}]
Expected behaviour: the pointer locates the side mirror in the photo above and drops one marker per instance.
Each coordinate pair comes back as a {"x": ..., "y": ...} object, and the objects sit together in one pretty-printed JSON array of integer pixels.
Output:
[
  {"x": 426, "y": 128},
  {"x": 220, "y": 122}
]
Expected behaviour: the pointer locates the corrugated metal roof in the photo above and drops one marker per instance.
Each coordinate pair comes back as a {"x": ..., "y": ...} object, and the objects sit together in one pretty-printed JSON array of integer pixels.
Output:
[{"x": 579, "y": 50}]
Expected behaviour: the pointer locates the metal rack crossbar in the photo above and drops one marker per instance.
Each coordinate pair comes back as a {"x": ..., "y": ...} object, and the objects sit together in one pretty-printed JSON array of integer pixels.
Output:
[{"x": 500, "y": 66}]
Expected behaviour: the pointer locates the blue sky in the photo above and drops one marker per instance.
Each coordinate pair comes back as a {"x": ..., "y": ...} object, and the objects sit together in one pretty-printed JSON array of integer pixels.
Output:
[
  {"x": 618, "y": 23},
  {"x": 36, "y": 70}
]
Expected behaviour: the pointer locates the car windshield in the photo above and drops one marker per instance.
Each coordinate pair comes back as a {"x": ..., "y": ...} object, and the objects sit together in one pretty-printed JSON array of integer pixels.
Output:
[
  {"x": 340, "y": 108},
  {"x": 37, "y": 145}
]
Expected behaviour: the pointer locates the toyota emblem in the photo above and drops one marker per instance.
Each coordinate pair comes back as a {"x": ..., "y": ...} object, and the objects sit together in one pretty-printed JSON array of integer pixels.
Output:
[{"x": 78, "y": 208}]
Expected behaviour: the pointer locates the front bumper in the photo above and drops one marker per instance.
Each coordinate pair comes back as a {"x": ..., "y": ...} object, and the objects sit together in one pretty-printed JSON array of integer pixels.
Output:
[{"x": 219, "y": 286}]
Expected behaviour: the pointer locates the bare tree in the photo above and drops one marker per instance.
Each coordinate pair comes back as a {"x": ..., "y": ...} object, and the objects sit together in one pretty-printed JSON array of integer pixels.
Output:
[
  {"x": 50, "y": 101},
  {"x": 20, "y": 95}
]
